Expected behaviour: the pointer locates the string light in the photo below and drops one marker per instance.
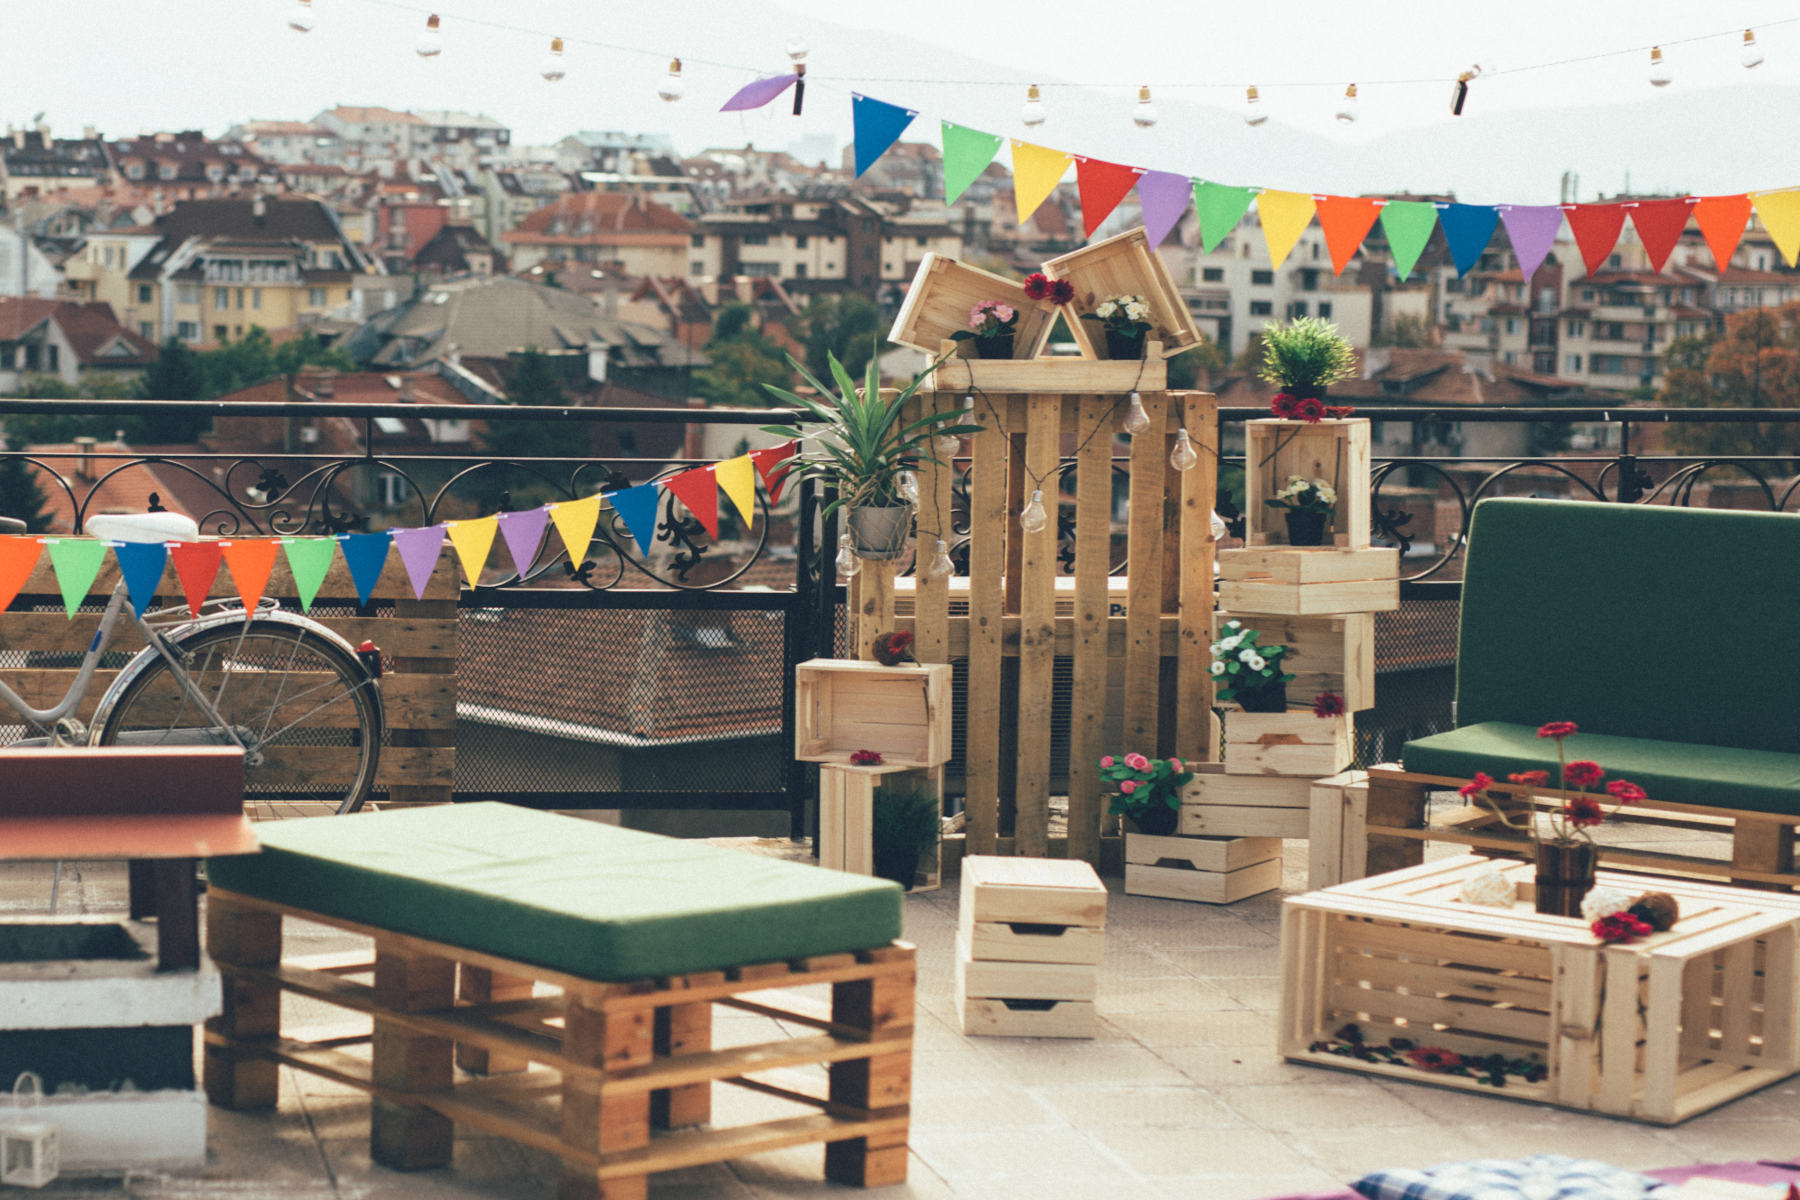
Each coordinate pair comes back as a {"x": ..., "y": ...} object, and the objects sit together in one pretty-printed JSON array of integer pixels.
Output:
[
  {"x": 431, "y": 42},
  {"x": 1183, "y": 457},
  {"x": 1136, "y": 419},
  {"x": 552, "y": 68},
  {"x": 796, "y": 52},
  {"x": 1145, "y": 114},
  {"x": 940, "y": 566},
  {"x": 672, "y": 87},
  {"x": 1033, "y": 518},
  {"x": 1751, "y": 56},
  {"x": 797, "y": 49},
  {"x": 1460, "y": 93},
  {"x": 1660, "y": 75},
  {"x": 1254, "y": 114},
  {"x": 301, "y": 19},
  {"x": 1346, "y": 113},
  {"x": 848, "y": 563},
  {"x": 906, "y": 485},
  {"x": 1033, "y": 113}
]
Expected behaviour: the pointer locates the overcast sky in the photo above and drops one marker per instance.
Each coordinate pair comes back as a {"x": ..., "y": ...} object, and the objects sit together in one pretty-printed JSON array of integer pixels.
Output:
[{"x": 131, "y": 65}]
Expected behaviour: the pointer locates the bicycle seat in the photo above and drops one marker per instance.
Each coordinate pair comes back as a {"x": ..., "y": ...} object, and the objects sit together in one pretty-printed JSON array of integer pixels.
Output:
[
  {"x": 11, "y": 525},
  {"x": 143, "y": 527}
]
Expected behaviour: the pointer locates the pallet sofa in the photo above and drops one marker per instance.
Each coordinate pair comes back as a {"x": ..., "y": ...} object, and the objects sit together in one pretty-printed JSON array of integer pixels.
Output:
[
  {"x": 571, "y": 969},
  {"x": 1666, "y": 634}
]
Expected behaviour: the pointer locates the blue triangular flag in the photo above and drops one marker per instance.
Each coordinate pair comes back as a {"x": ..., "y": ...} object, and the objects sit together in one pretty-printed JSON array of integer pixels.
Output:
[
  {"x": 876, "y": 125},
  {"x": 1467, "y": 227},
  {"x": 142, "y": 565},
  {"x": 638, "y": 507},
  {"x": 365, "y": 554}
]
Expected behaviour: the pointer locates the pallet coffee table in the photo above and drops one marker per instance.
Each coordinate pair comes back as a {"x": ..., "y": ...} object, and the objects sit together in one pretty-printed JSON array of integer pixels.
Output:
[{"x": 1656, "y": 1030}]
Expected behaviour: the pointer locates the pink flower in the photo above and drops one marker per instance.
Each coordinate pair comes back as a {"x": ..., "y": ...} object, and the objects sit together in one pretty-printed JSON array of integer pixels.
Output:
[
  {"x": 1472, "y": 790},
  {"x": 1582, "y": 773},
  {"x": 1558, "y": 729},
  {"x": 1128, "y": 787},
  {"x": 1137, "y": 762},
  {"x": 1175, "y": 765},
  {"x": 1107, "y": 761}
]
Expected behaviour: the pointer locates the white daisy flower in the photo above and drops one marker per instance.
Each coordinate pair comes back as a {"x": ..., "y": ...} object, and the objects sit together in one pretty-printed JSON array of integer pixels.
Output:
[
  {"x": 1255, "y": 662},
  {"x": 1218, "y": 668},
  {"x": 1234, "y": 624},
  {"x": 1248, "y": 653},
  {"x": 1231, "y": 643}
]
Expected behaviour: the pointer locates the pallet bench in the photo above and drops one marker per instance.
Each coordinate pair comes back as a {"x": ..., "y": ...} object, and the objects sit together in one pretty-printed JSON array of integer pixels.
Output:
[{"x": 586, "y": 1046}]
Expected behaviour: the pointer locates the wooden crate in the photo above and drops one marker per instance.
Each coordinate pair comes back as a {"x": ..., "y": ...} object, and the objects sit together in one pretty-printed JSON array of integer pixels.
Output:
[
  {"x": 846, "y": 818},
  {"x": 1017, "y": 979},
  {"x": 1028, "y": 945},
  {"x": 1065, "y": 376},
  {"x": 1024, "y": 1018},
  {"x": 1295, "y": 744},
  {"x": 842, "y": 706},
  {"x": 1309, "y": 582},
  {"x": 1337, "y": 829},
  {"x": 1217, "y": 804},
  {"x": 943, "y": 291},
  {"x": 1325, "y": 653},
  {"x": 1125, "y": 265},
  {"x": 1041, "y": 891},
  {"x": 1657, "y": 1030},
  {"x": 1212, "y": 870},
  {"x": 1031, "y": 941},
  {"x": 1337, "y": 451}
]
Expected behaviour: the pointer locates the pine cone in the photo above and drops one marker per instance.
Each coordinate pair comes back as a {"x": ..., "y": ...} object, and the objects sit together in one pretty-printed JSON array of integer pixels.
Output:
[{"x": 1656, "y": 909}]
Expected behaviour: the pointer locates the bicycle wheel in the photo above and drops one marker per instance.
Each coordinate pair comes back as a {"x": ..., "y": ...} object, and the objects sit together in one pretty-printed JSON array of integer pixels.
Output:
[{"x": 309, "y": 715}]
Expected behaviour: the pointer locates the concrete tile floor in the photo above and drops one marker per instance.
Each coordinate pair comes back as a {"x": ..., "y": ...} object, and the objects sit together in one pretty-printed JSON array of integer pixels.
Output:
[{"x": 1180, "y": 1095}]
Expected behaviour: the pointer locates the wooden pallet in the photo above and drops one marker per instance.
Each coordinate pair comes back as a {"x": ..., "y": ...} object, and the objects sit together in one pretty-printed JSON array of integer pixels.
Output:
[{"x": 609, "y": 1061}]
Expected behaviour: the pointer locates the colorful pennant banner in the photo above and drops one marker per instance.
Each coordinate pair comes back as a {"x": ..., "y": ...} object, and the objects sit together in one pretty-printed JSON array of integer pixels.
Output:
[
  {"x": 967, "y": 153},
  {"x": 1036, "y": 172},
  {"x": 876, "y": 125}
]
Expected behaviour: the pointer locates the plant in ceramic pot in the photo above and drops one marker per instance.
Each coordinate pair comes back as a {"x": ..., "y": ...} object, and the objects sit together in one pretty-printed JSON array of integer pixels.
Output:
[
  {"x": 904, "y": 823},
  {"x": 1248, "y": 673},
  {"x": 1147, "y": 790},
  {"x": 992, "y": 327},
  {"x": 857, "y": 442},
  {"x": 1310, "y": 504},
  {"x": 1126, "y": 321},
  {"x": 1305, "y": 357}
]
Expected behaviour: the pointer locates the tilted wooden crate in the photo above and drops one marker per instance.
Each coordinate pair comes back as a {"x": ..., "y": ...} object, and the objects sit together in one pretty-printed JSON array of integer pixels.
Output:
[
  {"x": 1337, "y": 451},
  {"x": 1215, "y": 804},
  {"x": 1125, "y": 265},
  {"x": 1309, "y": 582},
  {"x": 1294, "y": 743},
  {"x": 1325, "y": 653},
  {"x": 1052, "y": 910},
  {"x": 943, "y": 292},
  {"x": 1212, "y": 870},
  {"x": 845, "y": 705}
]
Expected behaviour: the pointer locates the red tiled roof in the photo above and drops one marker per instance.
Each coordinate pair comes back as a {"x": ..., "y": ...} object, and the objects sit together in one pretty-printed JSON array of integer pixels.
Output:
[
  {"x": 91, "y": 328},
  {"x": 129, "y": 491},
  {"x": 595, "y": 215}
]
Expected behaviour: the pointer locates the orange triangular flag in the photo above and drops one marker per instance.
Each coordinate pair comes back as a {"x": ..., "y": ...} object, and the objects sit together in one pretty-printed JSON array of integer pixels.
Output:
[
  {"x": 250, "y": 560},
  {"x": 196, "y": 565},
  {"x": 699, "y": 490},
  {"x": 1346, "y": 221},
  {"x": 18, "y": 555},
  {"x": 1722, "y": 220}
]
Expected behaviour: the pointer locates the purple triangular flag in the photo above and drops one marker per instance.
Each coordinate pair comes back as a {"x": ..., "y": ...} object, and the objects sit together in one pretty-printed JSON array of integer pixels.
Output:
[
  {"x": 1163, "y": 196},
  {"x": 1532, "y": 230},
  {"x": 419, "y": 554},
  {"x": 524, "y": 535},
  {"x": 638, "y": 508},
  {"x": 758, "y": 93}
]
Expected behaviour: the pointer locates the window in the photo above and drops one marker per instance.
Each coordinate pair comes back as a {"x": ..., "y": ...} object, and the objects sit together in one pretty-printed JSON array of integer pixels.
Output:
[
  {"x": 696, "y": 267},
  {"x": 1511, "y": 358},
  {"x": 1261, "y": 308},
  {"x": 221, "y": 298},
  {"x": 255, "y": 297},
  {"x": 32, "y": 361},
  {"x": 1587, "y": 295},
  {"x": 221, "y": 333},
  {"x": 166, "y": 171},
  {"x": 799, "y": 270},
  {"x": 391, "y": 489},
  {"x": 760, "y": 269},
  {"x": 1512, "y": 326},
  {"x": 240, "y": 297},
  {"x": 51, "y": 355},
  {"x": 799, "y": 241},
  {"x": 1212, "y": 274},
  {"x": 1262, "y": 278},
  {"x": 1297, "y": 309},
  {"x": 1572, "y": 363},
  {"x": 756, "y": 239},
  {"x": 919, "y": 241},
  {"x": 697, "y": 240},
  {"x": 187, "y": 293},
  {"x": 144, "y": 291},
  {"x": 1324, "y": 308},
  {"x": 147, "y": 331},
  {"x": 1577, "y": 328},
  {"x": 188, "y": 331}
]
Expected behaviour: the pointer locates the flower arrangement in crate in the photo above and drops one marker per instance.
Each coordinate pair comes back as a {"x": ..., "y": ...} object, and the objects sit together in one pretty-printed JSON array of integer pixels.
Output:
[
  {"x": 1125, "y": 321},
  {"x": 1310, "y": 504},
  {"x": 1040, "y": 286},
  {"x": 992, "y": 327},
  {"x": 1148, "y": 790},
  {"x": 1251, "y": 673}
]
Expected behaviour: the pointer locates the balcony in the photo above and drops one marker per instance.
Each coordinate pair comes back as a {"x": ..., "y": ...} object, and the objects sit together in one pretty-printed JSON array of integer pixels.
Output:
[{"x": 244, "y": 273}]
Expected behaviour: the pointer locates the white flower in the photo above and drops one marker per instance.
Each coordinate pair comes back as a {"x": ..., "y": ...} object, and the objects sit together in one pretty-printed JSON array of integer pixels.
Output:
[
  {"x": 1234, "y": 624},
  {"x": 1138, "y": 312},
  {"x": 1216, "y": 648},
  {"x": 1327, "y": 494},
  {"x": 1603, "y": 902},
  {"x": 1231, "y": 643},
  {"x": 1105, "y": 308},
  {"x": 1218, "y": 668},
  {"x": 1255, "y": 662}
]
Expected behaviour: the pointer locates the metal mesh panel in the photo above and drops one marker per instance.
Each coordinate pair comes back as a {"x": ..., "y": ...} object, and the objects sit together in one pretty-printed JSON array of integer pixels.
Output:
[{"x": 1415, "y": 678}]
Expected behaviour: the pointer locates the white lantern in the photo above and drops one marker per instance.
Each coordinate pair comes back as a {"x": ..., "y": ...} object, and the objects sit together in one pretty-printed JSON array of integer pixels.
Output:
[{"x": 28, "y": 1153}]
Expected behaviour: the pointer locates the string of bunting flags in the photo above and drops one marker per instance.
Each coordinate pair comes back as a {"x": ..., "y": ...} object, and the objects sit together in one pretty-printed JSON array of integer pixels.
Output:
[
  {"x": 1164, "y": 197},
  {"x": 76, "y": 561}
]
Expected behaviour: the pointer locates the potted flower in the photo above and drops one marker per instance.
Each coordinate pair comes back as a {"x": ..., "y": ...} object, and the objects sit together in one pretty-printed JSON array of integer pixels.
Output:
[
  {"x": 1251, "y": 673},
  {"x": 904, "y": 824},
  {"x": 992, "y": 326},
  {"x": 1148, "y": 791},
  {"x": 1303, "y": 358},
  {"x": 858, "y": 444},
  {"x": 1310, "y": 504},
  {"x": 1126, "y": 319}
]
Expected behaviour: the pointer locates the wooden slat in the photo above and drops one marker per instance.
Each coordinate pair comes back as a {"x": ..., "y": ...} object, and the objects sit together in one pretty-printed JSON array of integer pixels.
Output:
[
  {"x": 400, "y": 766},
  {"x": 1199, "y": 488},
  {"x": 1037, "y": 601},
  {"x": 931, "y": 619},
  {"x": 1142, "y": 648},
  {"x": 1064, "y": 636},
  {"x": 410, "y": 701},
  {"x": 418, "y": 766},
  {"x": 1090, "y": 624},
  {"x": 987, "y": 562},
  {"x": 53, "y": 633}
]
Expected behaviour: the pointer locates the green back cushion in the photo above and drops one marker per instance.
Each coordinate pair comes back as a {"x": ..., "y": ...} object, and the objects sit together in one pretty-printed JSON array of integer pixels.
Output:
[
  {"x": 578, "y": 896},
  {"x": 1649, "y": 622}
]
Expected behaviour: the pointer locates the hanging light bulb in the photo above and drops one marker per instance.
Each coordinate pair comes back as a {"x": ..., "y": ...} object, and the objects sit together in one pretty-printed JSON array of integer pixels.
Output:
[
  {"x": 1145, "y": 114},
  {"x": 847, "y": 562},
  {"x": 552, "y": 68},
  {"x": 1033, "y": 113},
  {"x": 1033, "y": 517},
  {"x": 1136, "y": 419},
  {"x": 906, "y": 485},
  {"x": 796, "y": 49},
  {"x": 1346, "y": 112},
  {"x": 1254, "y": 114},
  {"x": 301, "y": 19},
  {"x": 672, "y": 87},
  {"x": 1183, "y": 457},
  {"x": 431, "y": 42},
  {"x": 940, "y": 566},
  {"x": 1751, "y": 56},
  {"x": 1660, "y": 75},
  {"x": 946, "y": 445}
]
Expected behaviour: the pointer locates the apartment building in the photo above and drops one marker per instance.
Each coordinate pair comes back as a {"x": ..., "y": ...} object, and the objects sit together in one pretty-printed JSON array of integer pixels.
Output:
[
  {"x": 290, "y": 143},
  {"x": 189, "y": 165},
  {"x": 33, "y": 163},
  {"x": 1233, "y": 291},
  {"x": 832, "y": 243},
  {"x": 634, "y": 235}
]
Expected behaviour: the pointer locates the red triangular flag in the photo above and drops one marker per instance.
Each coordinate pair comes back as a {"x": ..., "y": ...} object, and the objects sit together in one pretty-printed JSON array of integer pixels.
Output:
[
  {"x": 250, "y": 560},
  {"x": 1722, "y": 220},
  {"x": 196, "y": 565},
  {"x": 1659, "y": 224},
  {"x": 1346, "y": 221},
  {"x": 768, "y": 467},
  {"x": 1596, "y": 228},
  {"x": 18, "y": 555},
  {"x": 1793, "y": 1192},
  {"x": 699, "y": 490},
  {"x": 1102, "y": 185}
]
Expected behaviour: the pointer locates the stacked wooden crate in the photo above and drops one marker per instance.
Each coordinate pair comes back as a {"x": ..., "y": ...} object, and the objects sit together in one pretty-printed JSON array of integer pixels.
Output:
[{"x": 1029, "y": 938}]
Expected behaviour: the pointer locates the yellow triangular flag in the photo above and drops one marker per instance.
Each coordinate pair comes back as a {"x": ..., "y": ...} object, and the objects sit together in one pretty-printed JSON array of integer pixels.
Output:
[
  {"x": 473, "y": 540},
  {"x": 1780, "y": 213},
  {"x": 1284, "y": 218},
  {"x": 575, "y": 521},
  {"x": 737, "y": 478},
  {"x": 1036, "y": 172}
]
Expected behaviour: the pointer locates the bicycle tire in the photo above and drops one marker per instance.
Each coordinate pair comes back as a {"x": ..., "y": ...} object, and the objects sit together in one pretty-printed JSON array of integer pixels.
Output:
[{"x": 296, "y": 760}]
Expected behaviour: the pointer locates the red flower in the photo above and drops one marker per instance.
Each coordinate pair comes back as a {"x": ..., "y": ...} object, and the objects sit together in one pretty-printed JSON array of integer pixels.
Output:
[
  {"x": 1310, "y": 409},
  {"x": 1283, "y": 405},
  {"x": 1472, "y": 790},
  {"x": 1530, "y": 778},
  {"x": 865, "y": 758},
  {"x": 1583, "y": 811},
  {"x": 1037, "y": 286},
  {"x": 892, "y": 649},
  {"x": 1061, "y": 291},
  {"x": 1625, "y": 791},
  {"x": 1620, "y": 927},
  {"x": 1338, "y": 411},
  {"x": 1434, "y": 1058},
  {"x": 1582, "y": 773},
  {"x": 1557, "y": 729},
  {"x": 1328, "y": 704}
]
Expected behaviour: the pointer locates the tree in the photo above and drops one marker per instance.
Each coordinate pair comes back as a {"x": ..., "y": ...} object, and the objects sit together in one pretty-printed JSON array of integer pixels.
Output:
[
  {"x": 1405, "y": 330},
  {"x": 1184, "y": 369},
  {"x": 848, "y": 326},
  {"x": 742, "y": 361},
  {"x": 20, "y": 496},
  {"x": 1754, "y": 363},
  {"x": 533, "y": 382},
  {"x": 177, "y": 374}
]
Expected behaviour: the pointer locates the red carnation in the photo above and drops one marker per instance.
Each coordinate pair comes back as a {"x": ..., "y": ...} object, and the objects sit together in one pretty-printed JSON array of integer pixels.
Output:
[
  {"x": 1283, "y": 405},
  {"x": 1434, "y": 1058},
  {"x": 1328, "y": 704},
  {"x": 1530, "y": 778},
  {"x": 1625, "y": 791},
  {"x": 1338, "y": 412},
  {"x": 1583, "y": 811},
  {"x": 1581, "y": 773},
  {"x": 1310, "y": 409},
  {"x": 892, "y": 649},
  {"x": 1037, "y": 286},
  {"x": 1472, "y": 790},
  {"x": 1557, "y": 729},
  {"x": 865, "y": 758},
  {"x": 1620, "y": 927},
  {"x": 1061, "y": 291}
]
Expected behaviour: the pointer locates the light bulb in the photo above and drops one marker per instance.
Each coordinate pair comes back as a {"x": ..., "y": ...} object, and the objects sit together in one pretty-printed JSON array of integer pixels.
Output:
[
  {"x": 1751, "y": 55},
  {"x": 940, "y": 566},
  {"x": 301, "y": 19},
  {"x": 847, "y": 562},
  {"x": 1346, "y": 112},
  {"x": 946, "y": 445},
  {"x": 1660, "y": 75},
  {"x": 1032, "y": 517},
  {"x": 431, "y": 42},
  {"x": 1183, "y": 457},
  {"x": 1136, "y": 419},
  {"x": 1253, "y": 109},
  {"x": 796, "y": 49},
  {"x": 1145, "y": 114},
  {"x": 552, "y": 68},
  {"x": 906, "y": 485},
  {"x": 1033, "y": 113},
  {"x": 672, "y": 88}
]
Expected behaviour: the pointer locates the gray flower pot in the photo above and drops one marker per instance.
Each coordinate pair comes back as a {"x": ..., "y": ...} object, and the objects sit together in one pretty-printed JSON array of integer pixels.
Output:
[{"x": 879, "y": 533}]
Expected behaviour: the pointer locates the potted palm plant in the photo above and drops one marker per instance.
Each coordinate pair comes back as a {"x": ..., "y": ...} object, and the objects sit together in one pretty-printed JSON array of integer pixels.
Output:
[{"x": 857, "y": 443}]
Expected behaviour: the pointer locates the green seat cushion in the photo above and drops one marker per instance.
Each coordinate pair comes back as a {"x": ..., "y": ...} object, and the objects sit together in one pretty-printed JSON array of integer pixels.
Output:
[
  {"x": 576, "y": 896},
  {"x": 1680, "y": 772}
]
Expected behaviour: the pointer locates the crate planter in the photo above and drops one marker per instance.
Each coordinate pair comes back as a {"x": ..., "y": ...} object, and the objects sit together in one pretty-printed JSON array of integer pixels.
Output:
[
  {"x": 1125, "y": 265},
  {"x": 942, "y": 293},
  {"x": 1338, "y": 829},
  {"x": 844, "y": 705},
  {"x": 1029, "y": 938},
  {"x": 846, "y": 819},
  {"x": 1325, "y": 653},
  {"x": 1212, "y": 870},
  {"x": 1309, "y": 582},
  {"x": 1216, "y": 804},
  {"x": 1657, "y": 1030},
  {"x": 1337, "y": 451},
  {"x": 1294, "y": 744}
]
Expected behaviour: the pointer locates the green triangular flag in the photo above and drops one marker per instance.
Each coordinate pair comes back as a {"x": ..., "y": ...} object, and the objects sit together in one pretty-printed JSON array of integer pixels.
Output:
[
  {"x": 1220, "y": 209},
  {"x": 309, "y": 559},
  {"x": 967, "y": 152},
  {"x": 76, "y": 561},
  {"x": 1408, "y": 225}
]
